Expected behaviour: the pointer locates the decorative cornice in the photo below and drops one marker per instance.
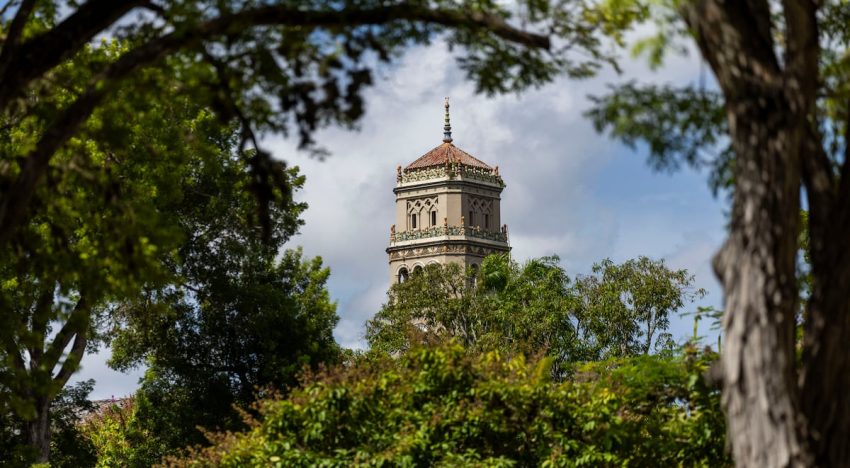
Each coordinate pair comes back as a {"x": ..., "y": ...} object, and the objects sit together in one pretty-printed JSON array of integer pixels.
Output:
[{"x": 450, "y": 171}]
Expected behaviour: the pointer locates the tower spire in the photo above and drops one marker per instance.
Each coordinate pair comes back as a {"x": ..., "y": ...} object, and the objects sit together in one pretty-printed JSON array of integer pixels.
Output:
[{"x": 447, "y": 128}]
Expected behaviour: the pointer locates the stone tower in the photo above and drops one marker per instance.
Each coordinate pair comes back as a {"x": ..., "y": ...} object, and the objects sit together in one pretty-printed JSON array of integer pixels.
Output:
[{"x": 447, "y": 210}]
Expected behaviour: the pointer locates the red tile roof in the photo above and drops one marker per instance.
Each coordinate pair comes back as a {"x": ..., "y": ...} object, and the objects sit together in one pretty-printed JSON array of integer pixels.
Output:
[{"x": 446, "y": 153}]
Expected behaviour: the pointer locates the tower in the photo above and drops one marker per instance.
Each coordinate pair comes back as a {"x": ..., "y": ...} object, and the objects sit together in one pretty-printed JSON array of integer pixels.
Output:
[{"x": 447, "y": 210}]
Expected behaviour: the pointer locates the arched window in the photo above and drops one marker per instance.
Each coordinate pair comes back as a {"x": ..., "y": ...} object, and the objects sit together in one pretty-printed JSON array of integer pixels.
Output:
[
  {"x": 471, "y": 219},
  {"x": 486, "y": 221},
  {"x": 473, "y": 275},
  {"x": 413, "y": 221},
  {"x": 417, "y": 269},
  {"x": 402, "y": 275},
  {"x": 433, "y": 218}
]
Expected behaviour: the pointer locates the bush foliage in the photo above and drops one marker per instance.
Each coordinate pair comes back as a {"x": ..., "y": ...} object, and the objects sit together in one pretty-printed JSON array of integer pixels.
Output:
[{"x": 441, "y": 406}]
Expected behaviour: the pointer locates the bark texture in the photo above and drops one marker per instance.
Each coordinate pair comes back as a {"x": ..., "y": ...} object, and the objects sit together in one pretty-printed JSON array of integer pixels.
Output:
[
  {"x": 779, "y": 413},
  {"x": 38, "y": 431}
]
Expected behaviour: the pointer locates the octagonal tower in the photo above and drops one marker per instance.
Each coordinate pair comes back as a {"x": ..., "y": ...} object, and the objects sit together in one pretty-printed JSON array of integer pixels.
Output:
[{"x": 447, "y": 210}]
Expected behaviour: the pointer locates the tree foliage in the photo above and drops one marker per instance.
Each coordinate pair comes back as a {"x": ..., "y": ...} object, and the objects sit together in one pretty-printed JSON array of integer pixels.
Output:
[
  {"x": 618, "y": 310},
  {"x": 237, "y": 316},
  {"x": 115, "y": 438},
  {"x": 207, "y": 362},
  {"x": 443, "y": 407},
  {"x": 70, "y": 259},
  {"x": 627, "y": 307}
]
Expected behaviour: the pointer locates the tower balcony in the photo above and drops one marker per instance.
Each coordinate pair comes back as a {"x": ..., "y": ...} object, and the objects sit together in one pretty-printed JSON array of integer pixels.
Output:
[
  {"x": 449, "y": 172},
  {"x": 448, "y": 232}
]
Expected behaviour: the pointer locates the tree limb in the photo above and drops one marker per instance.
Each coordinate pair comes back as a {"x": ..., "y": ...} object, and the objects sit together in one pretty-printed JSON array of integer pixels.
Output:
[
  {"x": 802, "y": 53},
  {"x": 15, "y": 353},
  {"x": 38, "y": 327},
  {"x": 16, "y": 28},
  {"x": 8, "y": 6},
  {"x": 736, "y": 40},
  {"x": 44, "y": 52},
  {"x": 76, "y": 325},
  {"x": 17, "y": 198},
  {"x": 819, "y": 181},
  {"x": 72, "y": 360},
  {"x": 37, "y": 56}
]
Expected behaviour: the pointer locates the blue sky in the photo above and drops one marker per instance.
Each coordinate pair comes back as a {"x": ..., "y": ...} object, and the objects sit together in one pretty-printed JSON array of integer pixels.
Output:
[{"x": 570, "y": 191}]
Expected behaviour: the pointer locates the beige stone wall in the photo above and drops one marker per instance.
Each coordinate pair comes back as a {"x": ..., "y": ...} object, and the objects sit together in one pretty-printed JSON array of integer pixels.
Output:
[
  {"x": 454, "y": 199},
  {"x": 453, "y": 202}
]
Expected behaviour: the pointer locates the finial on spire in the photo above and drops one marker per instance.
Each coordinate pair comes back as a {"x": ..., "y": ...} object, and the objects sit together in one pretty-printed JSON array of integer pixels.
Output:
[{"x": 447, "y": 128}]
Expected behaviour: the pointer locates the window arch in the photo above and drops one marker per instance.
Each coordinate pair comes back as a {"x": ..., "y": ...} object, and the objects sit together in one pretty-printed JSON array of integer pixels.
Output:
[
  {"x": 402, "y": 275},
  {"x": 417, "y": 269}
]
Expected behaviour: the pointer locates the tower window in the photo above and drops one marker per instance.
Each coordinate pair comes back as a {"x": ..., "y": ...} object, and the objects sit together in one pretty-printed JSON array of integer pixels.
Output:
[
  {"x": 471, "y": 220},
  {"x": 402, "y": 275},
  {"x": 433, "y": 218},
  {"x": 486, "y": 221},
  {"x": 413, "y": 221}
]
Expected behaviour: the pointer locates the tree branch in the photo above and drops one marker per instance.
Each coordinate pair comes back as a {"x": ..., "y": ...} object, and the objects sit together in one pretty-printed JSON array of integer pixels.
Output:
[
  {"x": 40, "y": 318},
  {"x": 72, "y": 360},
  {"x": 44, "y": 52},
  {"x": 735, "y": 38},
  {"x": 17, "y": 198},
  {"x": 15, "y": 353},
  {"x": 37, "y": 56},
  {"x": 16, "y": 28},
  {"x": 5, "y": 8},
  {"x": 802, "y": 53},
  {"x": 76, "y": 325},
  {"x": 819, "y": 181}
]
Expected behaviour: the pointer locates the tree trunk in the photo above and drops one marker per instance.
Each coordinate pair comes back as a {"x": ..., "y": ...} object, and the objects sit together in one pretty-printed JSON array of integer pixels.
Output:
[
  {"x": 826, "y": 374},
  {"x": 757, "y": 269},
  {"x": 767, "y": 111},
  {"x": 38, "y": 431}
]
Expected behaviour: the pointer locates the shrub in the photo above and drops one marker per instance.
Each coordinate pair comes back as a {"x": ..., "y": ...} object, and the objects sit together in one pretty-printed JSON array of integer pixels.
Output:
[{"x": 441, "y": 406}]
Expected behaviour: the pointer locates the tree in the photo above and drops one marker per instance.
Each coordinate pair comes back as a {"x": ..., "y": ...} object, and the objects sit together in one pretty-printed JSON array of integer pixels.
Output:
[
  {"x": 227, "y": 343},
  {"x": 782, "y": 108},
  {"x": 628, "y": 306},
  {"x": 619, "y": 310},
  {"x": 69, "y": 260},
  {"x": 237, "y": 316},
  {"x": 441, "y": 406}
]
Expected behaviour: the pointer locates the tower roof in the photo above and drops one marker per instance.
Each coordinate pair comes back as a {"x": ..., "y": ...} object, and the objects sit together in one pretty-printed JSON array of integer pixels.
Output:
[{"x": 447, "y": 153}]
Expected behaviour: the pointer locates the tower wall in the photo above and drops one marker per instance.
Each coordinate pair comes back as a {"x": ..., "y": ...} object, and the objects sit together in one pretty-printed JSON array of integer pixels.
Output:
[{"x": 448, "y": 236}]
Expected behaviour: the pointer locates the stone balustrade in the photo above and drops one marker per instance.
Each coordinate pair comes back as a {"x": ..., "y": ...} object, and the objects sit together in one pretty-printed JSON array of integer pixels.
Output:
[
  {"x": 441, "y": 231},
  {"x": 452, "y": 171}
]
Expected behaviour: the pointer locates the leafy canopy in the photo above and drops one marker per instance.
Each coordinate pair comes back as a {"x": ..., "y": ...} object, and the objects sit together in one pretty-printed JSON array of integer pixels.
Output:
[
  {"x": 444, "y": 407},
  {"x": 618, "y": 310}
]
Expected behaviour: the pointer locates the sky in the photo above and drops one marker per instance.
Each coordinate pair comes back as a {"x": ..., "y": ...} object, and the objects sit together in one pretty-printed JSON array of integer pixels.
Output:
[{"x": 570, "y": 192}]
